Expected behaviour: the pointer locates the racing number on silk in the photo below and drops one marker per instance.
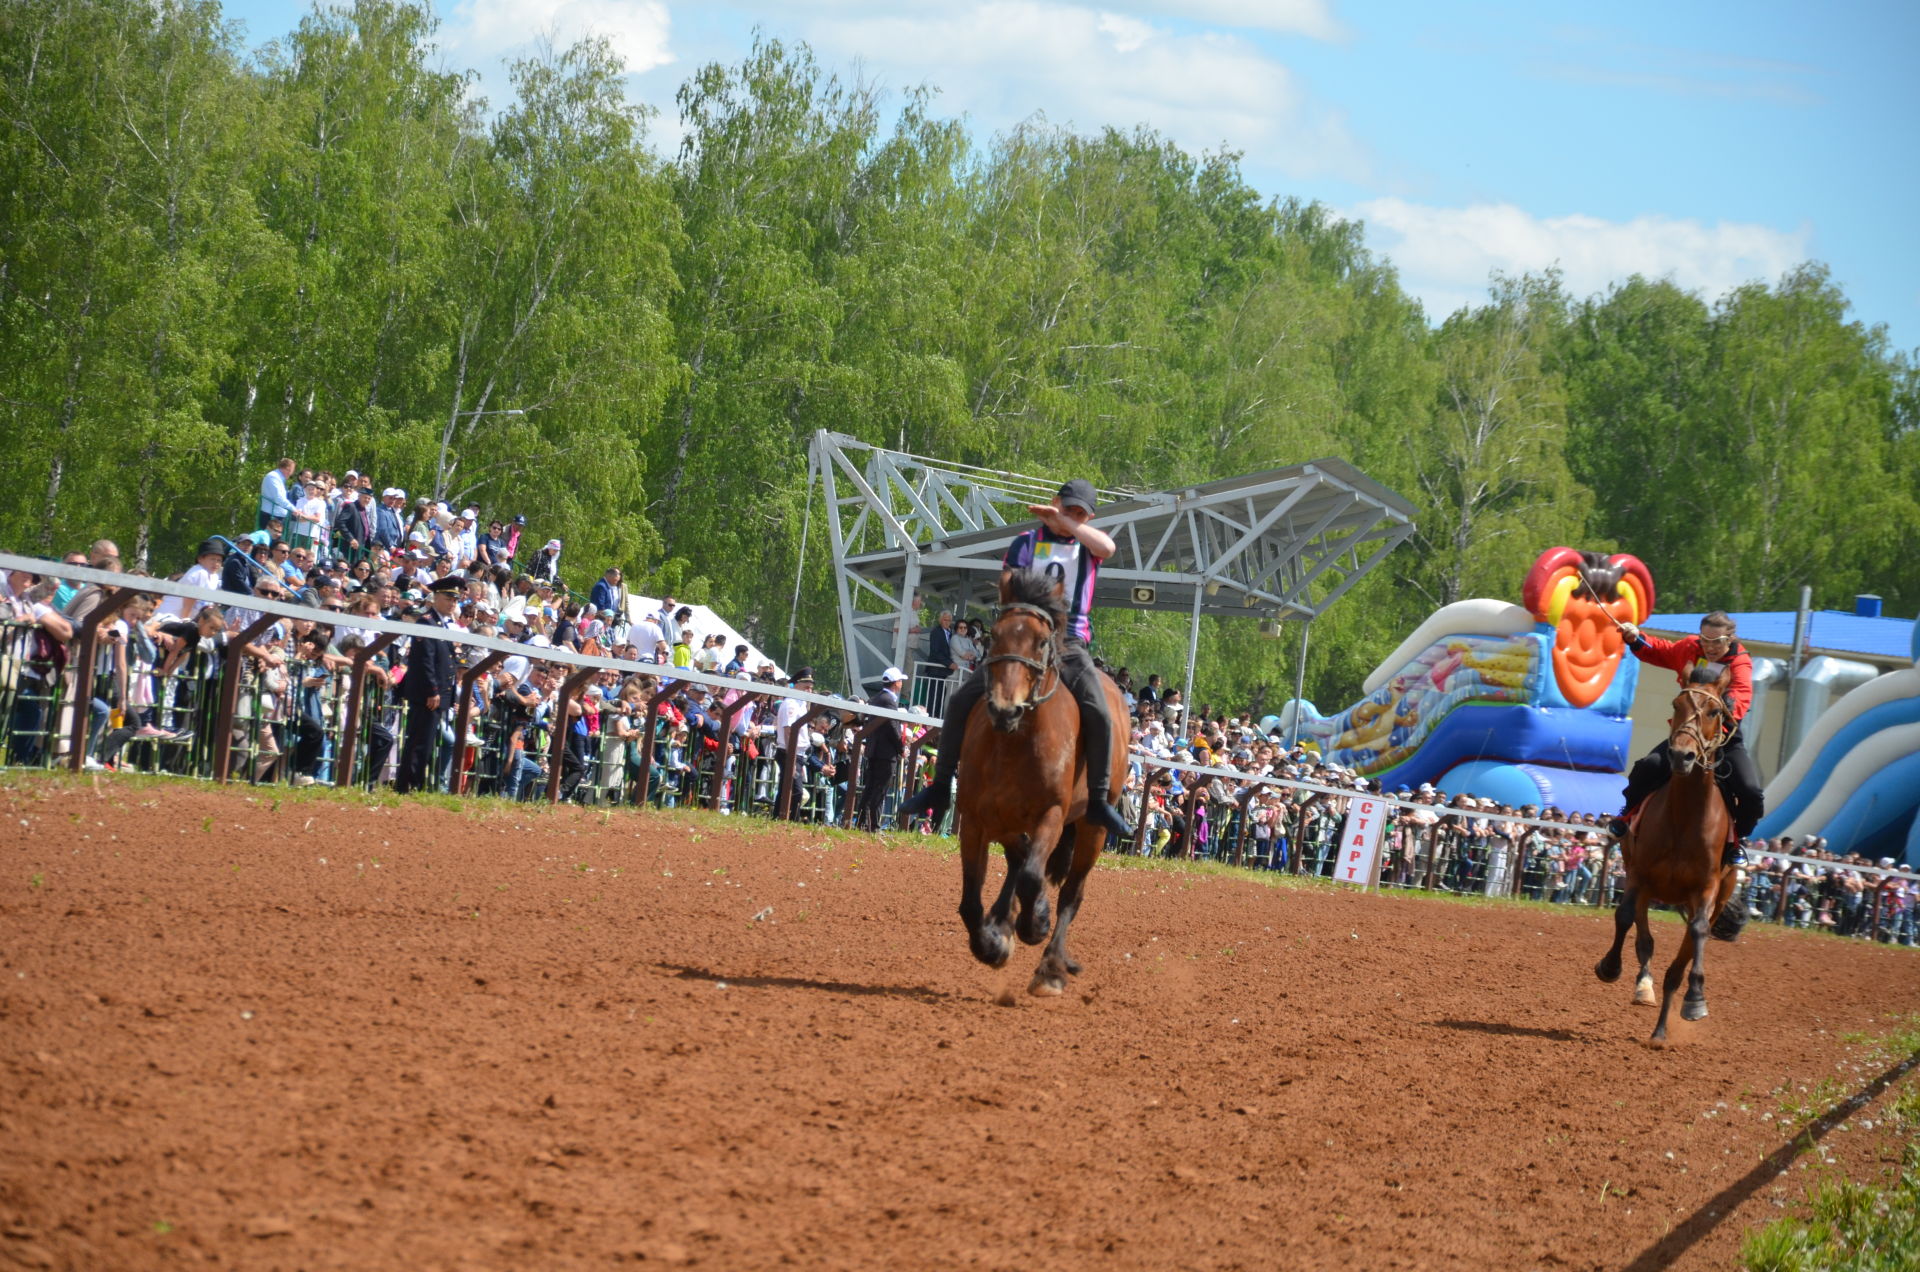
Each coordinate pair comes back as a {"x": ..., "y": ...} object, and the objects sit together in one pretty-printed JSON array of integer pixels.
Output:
[{"x": 1057, "y": 559}]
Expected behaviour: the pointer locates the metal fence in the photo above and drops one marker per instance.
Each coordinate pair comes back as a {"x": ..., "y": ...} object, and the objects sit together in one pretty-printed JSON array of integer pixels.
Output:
[{"x": 113, "y": 699}]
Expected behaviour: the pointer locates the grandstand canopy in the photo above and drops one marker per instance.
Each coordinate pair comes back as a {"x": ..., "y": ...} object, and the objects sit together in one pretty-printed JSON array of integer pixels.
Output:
[{"x": 1271, "y": 546}]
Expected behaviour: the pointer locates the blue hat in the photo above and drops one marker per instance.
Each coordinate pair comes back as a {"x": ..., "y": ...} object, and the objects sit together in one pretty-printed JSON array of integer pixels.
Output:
[{"x": 260, "y": 538}]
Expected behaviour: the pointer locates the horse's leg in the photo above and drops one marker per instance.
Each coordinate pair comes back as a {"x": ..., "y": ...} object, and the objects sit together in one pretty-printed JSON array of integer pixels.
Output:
[
  {"x": 1671, "y": 981},
  {"x": 1695, "y": 1006},
  {"x": 1050, "y": 978},
  {"x": 1030, "y": 882},
  {"x": 988, "y": 941},
  {"x": 1643, "y": 950},
  {"x": 1608, "y": 968},
  {"x": 1000, "y": 917}
]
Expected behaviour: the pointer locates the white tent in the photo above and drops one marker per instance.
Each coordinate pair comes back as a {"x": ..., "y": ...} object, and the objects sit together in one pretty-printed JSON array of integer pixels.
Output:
[{"x": 705, "y": 623}]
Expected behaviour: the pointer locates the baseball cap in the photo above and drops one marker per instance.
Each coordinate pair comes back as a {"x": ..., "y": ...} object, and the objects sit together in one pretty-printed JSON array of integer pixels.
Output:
[
  {"x": 260, "y": 538},
  {"x": 893, "y": 675},
  {"x": 1077, "y": 493},
  {"x": 553, "y": 545}
]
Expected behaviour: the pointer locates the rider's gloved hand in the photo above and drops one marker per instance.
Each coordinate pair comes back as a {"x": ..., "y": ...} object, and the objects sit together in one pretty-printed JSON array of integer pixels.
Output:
[{"x": 1630, "y": 631}]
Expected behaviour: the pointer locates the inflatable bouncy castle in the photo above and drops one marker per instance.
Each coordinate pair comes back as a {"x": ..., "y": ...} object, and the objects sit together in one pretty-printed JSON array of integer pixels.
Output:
[
  {"x": 1523, "y": 704},
  {"x": 1855, "y": 778}
]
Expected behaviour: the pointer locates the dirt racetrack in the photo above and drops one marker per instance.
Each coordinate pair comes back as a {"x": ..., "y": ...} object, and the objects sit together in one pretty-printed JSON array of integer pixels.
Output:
[{"x": 304, "y": 1033}]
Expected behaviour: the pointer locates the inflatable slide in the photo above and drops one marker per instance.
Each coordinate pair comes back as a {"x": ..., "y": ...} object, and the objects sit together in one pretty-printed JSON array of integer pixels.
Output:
[
  {"x": 1523, "y": 704},
  {"x": 1855, "y": 777}
]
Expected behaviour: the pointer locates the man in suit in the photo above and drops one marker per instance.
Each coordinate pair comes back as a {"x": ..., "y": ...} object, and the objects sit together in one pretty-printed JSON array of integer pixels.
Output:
[
  {"x": 353, "y": 527},
  {"x": 389, "y": 530},
  {"x": 931, "y": 691},
  {"x": 884, "y": 744},
  {"x": 428, "y": 688}
]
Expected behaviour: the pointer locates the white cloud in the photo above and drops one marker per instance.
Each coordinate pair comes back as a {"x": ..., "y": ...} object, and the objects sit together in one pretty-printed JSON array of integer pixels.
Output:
[
  {"x": 1311, "y": 18},
  {"x": 1003, "y": 60},
  {"x": 1445, "y": 255},
  {"x": 480, "y": 32}
]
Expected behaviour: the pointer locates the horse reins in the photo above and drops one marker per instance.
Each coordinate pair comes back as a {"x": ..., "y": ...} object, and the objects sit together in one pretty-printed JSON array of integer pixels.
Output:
[{"x": 1049, "y": 662}]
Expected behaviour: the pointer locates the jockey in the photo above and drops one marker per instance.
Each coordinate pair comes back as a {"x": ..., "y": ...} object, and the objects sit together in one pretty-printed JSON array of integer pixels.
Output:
[
  {"x": 1714, "y": 645},
  {"x": 1066, "y": 546}
]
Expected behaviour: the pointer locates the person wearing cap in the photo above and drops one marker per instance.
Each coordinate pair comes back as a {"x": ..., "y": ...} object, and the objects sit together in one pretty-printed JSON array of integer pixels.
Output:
[
  {"x": 389, "y": 529},
  {"x": 1713, "y": 648},
  {"x": 885, "y": 742},
  {"x": 1067, "y": 547},
  {"x": 786, "y": 721},
  {"x": 428, "y": 687},
  {"x": 205, "y": 571}
]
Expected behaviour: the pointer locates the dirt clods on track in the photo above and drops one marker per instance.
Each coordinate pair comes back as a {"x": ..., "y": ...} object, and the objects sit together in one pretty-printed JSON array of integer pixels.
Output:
[{"x": 236, "y": 1031}]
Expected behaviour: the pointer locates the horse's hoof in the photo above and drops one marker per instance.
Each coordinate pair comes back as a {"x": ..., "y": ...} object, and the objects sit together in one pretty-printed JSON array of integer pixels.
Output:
[
  {"x": 990, "y": 947},
  {"x": 1607, "y": 969},
  {"x": 1693, "y": 1011},
  {"x": 1045, "y": 986},
  {"x": 1643, "y": 995}
]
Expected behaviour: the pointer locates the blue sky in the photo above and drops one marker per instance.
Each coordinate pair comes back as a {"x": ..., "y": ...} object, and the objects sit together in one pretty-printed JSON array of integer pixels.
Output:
[{"x": 1714, "y": 142}]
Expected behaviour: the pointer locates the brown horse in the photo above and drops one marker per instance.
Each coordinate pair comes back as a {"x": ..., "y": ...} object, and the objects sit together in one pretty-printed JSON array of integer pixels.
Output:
[
  {"x": 1023, "y": 785},
  {"x": 1672, "y": 854}
]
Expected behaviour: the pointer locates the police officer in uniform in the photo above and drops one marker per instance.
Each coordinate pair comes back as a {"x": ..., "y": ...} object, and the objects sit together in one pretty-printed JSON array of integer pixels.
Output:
[{"x": 428, "y": 687}]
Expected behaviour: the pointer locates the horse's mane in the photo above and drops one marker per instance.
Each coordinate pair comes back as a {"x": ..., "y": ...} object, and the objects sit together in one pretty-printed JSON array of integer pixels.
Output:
[{"x": 1036, "y": 587}]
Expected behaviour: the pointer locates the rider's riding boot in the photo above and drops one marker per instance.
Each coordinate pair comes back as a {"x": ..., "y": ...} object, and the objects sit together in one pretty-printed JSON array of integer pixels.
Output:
[
  {"x": 1618, "y": 826},
  {"x": 1106, "y": 816},
  {"x": 1097, "y": 737},
  {"x": 931, "y": 801},
  {"x": 1734, "y": 854}
]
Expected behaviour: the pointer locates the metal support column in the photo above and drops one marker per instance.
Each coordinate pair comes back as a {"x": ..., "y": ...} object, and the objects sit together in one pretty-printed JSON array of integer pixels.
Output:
[
  {"x": 86, "y": 653},
  {"x": 356, "y": 692},
  {"x": 232, "y": 665},
  {"x": 562, "y": 728}
]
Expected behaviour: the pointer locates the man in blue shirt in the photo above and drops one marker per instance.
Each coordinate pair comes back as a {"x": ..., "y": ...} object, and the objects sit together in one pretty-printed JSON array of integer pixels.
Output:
[
  {"x": 1066, "y": 546},
  {"x": 275, "y": 500}
]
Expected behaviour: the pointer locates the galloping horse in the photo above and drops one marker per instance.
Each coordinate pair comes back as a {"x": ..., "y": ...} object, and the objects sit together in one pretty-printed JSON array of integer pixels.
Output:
[
  {"x": 1672, "y": 854},
  {"x": 1023, "y": 785}
]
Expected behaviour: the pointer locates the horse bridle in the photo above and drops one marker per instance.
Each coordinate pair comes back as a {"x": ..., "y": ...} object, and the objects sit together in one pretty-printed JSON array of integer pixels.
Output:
[
  {"x": 1048, "y": 662},
  {"x": 1709, "y": 750}
]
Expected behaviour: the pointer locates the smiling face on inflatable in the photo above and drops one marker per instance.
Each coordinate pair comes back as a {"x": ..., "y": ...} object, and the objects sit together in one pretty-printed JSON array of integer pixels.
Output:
[{"x": 1574, "y": 593}]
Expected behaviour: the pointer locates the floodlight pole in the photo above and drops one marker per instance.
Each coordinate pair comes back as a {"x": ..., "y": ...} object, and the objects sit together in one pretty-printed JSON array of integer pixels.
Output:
[
  {"x": 1193, "y": 653},
  {"x": 1299, "y": 683}
]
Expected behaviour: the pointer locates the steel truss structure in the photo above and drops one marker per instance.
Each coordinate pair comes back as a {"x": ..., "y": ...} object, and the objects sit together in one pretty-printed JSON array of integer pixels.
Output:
[{"x": 1272, "y": 546}]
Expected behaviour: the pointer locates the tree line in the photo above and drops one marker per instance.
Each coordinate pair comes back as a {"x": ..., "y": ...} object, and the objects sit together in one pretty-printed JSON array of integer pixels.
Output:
[{"x": 332, "y": 249}]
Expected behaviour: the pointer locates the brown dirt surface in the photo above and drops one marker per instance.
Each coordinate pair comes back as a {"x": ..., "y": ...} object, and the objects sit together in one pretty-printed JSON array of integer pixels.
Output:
[{"x": 309, "y": 1033}]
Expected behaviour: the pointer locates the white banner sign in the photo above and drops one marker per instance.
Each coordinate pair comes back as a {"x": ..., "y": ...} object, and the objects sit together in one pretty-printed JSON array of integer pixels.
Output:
[{"x": 1360, "y": 841}]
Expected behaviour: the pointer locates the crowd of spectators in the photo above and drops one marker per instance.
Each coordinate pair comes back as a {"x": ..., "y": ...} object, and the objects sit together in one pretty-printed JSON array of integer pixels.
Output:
[
  {"x": 344, "y": 547},
  {"x": 341, "y": 546}
]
